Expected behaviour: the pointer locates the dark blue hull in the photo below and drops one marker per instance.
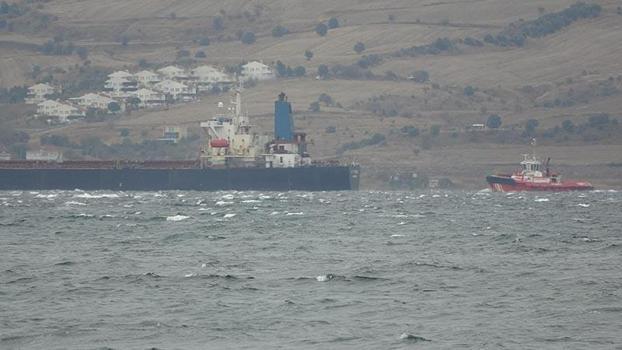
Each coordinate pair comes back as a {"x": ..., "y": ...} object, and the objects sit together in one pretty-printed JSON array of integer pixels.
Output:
[{"x": 328, "y": 178}]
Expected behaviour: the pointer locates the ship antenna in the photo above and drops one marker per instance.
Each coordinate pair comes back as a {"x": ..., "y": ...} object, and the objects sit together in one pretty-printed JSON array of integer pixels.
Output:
[{"x": 533, "y": 148}]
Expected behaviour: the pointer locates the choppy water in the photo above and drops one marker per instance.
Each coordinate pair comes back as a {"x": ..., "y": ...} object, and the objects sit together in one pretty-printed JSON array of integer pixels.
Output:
[{"x": 364, "y": 270}]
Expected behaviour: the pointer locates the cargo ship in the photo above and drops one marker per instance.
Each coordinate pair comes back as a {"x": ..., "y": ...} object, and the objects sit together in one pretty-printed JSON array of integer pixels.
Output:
[
  {"x": 232, "y": 157},
  {"x": 533, "y": 176}
]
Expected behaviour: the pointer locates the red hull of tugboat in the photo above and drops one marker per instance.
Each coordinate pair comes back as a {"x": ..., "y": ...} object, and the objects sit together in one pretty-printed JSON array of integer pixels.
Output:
[{"x": 505, "y": 183}]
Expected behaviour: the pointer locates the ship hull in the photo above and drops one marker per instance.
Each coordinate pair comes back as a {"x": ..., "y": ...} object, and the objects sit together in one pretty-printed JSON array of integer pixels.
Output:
[
  {"x": 499, "y": 183},
  {"x": 320, "y": 178}
]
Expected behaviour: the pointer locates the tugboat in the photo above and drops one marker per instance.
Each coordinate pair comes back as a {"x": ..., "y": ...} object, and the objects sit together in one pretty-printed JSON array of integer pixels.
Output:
[{"x": 531, "y": 177}]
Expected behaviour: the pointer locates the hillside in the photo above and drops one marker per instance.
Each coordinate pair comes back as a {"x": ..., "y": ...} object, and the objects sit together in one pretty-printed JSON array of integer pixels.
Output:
[{"x": 570, "y": 74}]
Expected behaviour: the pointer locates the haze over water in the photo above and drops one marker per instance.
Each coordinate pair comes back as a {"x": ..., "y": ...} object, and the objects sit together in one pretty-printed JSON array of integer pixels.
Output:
[{"x": 339, "y": 270}]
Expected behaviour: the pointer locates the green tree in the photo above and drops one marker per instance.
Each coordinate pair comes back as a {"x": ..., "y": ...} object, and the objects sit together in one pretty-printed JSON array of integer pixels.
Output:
[
  {"x": 493, "y": 121},
  {"x": 114, "y": 107},
  {"x": 359, "y": 47},
  {"x": 321, "y": 29},
  {"x": 333, "y": 23},
  {"x": 248, "y": 38},
  {"x": 568, "y": 126},
  {"x": 530, "y": 127},
  {"x": 82, "y": 52},
  {"x": 300, "y": 71},
  {"x": 323, "y": 71}
]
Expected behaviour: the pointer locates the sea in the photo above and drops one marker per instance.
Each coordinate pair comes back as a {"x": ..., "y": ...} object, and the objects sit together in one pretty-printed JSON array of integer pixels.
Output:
[{"x": 310, "y": 270}]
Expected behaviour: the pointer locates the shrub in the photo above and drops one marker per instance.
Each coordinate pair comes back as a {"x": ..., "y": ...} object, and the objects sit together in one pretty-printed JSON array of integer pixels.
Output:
[
  {"x": 369, "y": 61},
  {"x": 469, "y": 91},
  {"x": 377, "y": 138},
  {"x": 204, "y": 41},
  {"x": 125, "y": 132},
  {"x": 248, "y": 38},
  {"x": 321, "y": 29},
  {"x": 359, "y": 47},
  {"x": 333, "y": 23},
  {"x": 200, "y": 54},
  {"x": 308, "y": 54},
  {"x": 435, "y": 130},
  {"x": 410, "y": 131},
  {"x": 218, "y": 23},
  {"x": 326, "y": 99},
  {"x": 472, "y": 42},
  {"x": 420, "y": 76},
  {"x": 331, "y": 130},
  {"x": 314, "y": 106},
  {"x": 183, "y": 53},
  {"x": 279, "y": 31}
]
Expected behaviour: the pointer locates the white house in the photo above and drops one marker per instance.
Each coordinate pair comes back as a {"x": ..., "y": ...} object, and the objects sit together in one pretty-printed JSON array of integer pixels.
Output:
[
  {"x": 121, "y": 75},
  {"x": 173, "y": 72},
  {"x": 257, "y": 71},
  {"x": 147, "y": 78},
  {"x": 176, "y": 89},
  {"x": 60, "y": 110},
  {"x": 120, "y": 87},
  {"x": 45, "y": 155},
  {"x": 38, "y": 93},
  {"x": 92, "y": 100},
  {"x": 150, "y": 98},
  {"x": 208, "y": 77}
]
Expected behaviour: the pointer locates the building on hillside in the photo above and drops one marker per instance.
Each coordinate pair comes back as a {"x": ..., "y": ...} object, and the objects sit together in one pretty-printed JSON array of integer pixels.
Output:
[
  {"x": 174, "y": 133},
  {"x": 147, "y": 78},
  {"x": 149, "y": 98},
  {"x": 173, "y": 73},
  {"x": 120, "y": 87},
  {"x": 257, "y": 71},
  {"x": 92, "y": 100},
  {"x": 39, "y": 93},
  {"x": 45, "y": 155},
  {"x": 62, "y": 111},
  {"x": 4, "y": 153},
  {"x": 208, "y": 77},
  {"x": 176, "y": 90},
  {"x": 121, "y": 75}
]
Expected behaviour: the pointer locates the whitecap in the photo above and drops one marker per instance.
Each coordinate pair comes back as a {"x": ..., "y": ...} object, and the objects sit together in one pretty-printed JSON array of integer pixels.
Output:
[
  {"x": 298, "y": 213},
  {"x": 227, "y": 196},
  {"x": 223, "y": 203},
  {"x": 251, "y": 201},
  {"x": 397, "y": 235},
  {"x": 229, "y": 215},
  {"x": 190, "y": 275},
  {"x": 275, "y": 213},
  {"x": 96, "y": 196},
  {"x": 325, "y": 278},
  {"x": 584, "y": 205},
  {"x": 177, "y": 218},
  {"x": 541, "y": 200},
  {"x": 75, "y": 203}
]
